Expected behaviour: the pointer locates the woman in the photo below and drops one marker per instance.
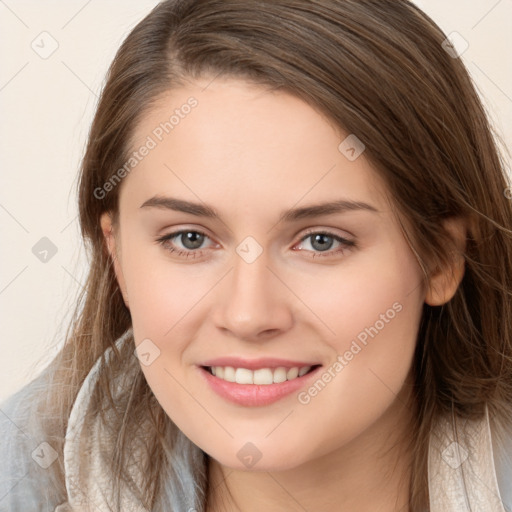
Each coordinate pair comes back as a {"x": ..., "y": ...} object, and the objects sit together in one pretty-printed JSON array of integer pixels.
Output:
[{"x": 301, "y": 269}]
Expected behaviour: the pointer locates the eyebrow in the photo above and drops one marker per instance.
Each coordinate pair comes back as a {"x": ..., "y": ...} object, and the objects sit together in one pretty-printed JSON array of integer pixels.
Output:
[{"x": 316, "y": 210}]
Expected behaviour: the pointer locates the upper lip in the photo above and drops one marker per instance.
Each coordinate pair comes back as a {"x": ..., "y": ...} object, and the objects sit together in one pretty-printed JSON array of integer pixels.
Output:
[{"x": 255, "y": 364}]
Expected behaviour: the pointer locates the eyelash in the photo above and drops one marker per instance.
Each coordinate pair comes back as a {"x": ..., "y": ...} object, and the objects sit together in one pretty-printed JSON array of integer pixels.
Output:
[{"x": 345, "y": 243}]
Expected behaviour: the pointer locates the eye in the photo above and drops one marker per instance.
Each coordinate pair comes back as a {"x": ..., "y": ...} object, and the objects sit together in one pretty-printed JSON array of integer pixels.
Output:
[
  {"x": 190, "y": 239},
  {"x": 322, "y": 242}
]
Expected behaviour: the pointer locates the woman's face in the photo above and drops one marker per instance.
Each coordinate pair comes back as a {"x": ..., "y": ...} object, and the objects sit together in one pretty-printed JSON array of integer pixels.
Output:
[{"x": 262, "y": 271}]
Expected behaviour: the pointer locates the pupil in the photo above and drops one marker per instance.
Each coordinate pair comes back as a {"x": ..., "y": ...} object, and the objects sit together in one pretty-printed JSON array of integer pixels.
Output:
[
  {"x": 192, "y": 240},
  {"x": 323, "y": 246}
]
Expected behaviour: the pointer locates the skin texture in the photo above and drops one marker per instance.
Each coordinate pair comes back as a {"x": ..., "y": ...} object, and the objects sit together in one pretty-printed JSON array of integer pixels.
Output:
[{"x": 251, "y": 154}]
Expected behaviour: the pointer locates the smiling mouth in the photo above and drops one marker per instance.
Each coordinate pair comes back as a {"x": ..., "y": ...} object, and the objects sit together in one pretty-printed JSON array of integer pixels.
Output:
[{"x": 261, "y": 376}]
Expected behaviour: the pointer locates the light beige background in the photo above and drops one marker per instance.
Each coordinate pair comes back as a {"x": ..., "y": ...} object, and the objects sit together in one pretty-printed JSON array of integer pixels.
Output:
[{"x": 46, "y": 108}]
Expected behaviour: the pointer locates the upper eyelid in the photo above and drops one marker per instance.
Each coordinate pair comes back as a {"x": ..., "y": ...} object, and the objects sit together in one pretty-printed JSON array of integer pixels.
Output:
[{"x": 303, "y": 237}]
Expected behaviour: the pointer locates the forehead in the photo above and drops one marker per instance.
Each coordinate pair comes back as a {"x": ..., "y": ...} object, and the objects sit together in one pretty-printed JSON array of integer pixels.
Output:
[{"x": 230, "y": 139}]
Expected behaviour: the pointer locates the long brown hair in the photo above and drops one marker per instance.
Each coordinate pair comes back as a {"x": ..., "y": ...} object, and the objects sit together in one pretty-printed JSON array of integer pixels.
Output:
[{"x": 377, "y": 69}]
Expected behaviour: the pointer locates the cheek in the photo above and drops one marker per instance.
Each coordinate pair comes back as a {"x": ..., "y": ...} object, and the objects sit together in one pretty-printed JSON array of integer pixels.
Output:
[
  {"x": 160, "y": 291},
  {"x": 163, "y": 303},
  {"x": 372, "y": 295},
  {"x": 372, "y": 310},
  {"x": 375, "y": 319}
]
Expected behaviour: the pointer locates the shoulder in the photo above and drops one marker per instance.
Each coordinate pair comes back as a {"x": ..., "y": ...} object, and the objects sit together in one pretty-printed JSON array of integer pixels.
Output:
[
  {"x": 36, "y": 463},
  {"x": 25, "y": 454}
]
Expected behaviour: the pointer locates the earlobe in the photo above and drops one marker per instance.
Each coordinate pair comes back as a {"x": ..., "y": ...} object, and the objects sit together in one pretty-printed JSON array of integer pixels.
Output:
[
  {"x": 111, "y": 245},
  {"x": 444, "y": 282}
]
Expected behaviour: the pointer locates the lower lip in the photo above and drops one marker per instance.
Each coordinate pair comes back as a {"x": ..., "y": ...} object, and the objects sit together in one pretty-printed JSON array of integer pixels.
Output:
[{"x": 254, "y": 395}]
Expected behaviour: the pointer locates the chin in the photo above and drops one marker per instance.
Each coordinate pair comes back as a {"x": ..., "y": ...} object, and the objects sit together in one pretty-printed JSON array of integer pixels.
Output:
[{"x": 272, "y": 462}]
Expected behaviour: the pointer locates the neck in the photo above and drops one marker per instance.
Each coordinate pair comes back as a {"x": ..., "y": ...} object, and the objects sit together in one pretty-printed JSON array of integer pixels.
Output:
[{"x": 372, "y": 472}]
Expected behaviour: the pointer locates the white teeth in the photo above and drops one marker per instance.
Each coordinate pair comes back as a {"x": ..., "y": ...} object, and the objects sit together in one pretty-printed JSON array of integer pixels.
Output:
[
  {"x": 262, "y": 376},
  {"x": 229, "y": 374},
  {"x": 304, "y": 370},
  {"x": 280, "y": 374},
  {"x": 243, "y": 376},
  {"x": 292, "y": 373}
]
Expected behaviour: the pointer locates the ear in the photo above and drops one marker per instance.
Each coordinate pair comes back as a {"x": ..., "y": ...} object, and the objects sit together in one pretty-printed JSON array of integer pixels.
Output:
[
  {"x": 444, "y": 282},
  {"x": 112, "y": 244}
]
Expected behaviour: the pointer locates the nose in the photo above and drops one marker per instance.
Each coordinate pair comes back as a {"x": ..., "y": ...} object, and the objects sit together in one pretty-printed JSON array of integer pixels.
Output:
[{"x": 253, "y": 303}]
